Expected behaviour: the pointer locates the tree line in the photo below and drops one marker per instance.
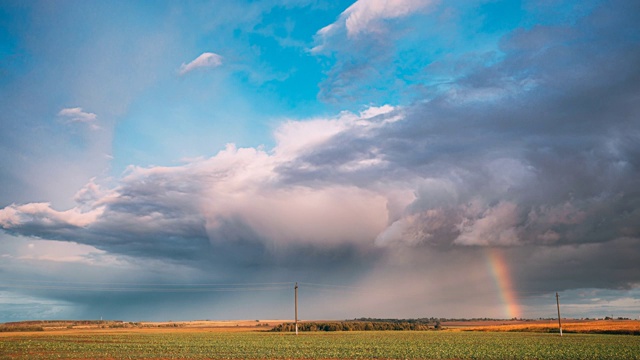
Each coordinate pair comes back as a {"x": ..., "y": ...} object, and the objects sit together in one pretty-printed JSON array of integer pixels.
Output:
[{"x": 356, "y": 326}]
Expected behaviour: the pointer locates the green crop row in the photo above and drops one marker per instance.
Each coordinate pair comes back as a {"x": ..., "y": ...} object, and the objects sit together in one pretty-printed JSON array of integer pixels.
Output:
[{"x": 343, "y": 345}]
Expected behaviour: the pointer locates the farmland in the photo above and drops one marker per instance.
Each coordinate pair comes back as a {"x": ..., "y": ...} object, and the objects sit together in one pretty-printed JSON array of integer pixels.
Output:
[
  {"x": 628, "y": 327},
  {"x": 203, "y": 343}
]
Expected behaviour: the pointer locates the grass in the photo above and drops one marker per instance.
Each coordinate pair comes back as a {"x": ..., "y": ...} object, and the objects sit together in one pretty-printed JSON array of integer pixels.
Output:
[{"x": 185, "y": 344}]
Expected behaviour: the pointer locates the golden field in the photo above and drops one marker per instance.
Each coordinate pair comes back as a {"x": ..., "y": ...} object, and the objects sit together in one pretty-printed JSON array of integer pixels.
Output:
[
  {"x": 74, "y": 327},
  {"x": 568, "y": 325}
]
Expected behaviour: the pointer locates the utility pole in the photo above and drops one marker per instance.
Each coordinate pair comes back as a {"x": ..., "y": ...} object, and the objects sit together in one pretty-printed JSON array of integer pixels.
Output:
[
  {"x": 559, "y": 322},
  {"x": 296, "y": 298}
]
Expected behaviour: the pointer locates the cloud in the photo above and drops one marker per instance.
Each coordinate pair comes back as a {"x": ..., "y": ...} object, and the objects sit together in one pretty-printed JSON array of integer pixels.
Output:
[
  {"x": 295, "y": 137},
  {"x": 42, "y": 214},
  {"x": 365, "y": 16},
  {"x": 234, "y": 197},
  {"x": 77, "y": 115},
  {"x": 363, "y": 47},
  {"x": 368, "y": 16},
  {"x": 495, "y": 225},
  {"x": 205, "y": 60}
]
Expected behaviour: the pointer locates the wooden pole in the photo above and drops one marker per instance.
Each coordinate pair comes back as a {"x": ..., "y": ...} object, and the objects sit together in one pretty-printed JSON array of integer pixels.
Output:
[
  {"x": 296, "y": 299},
  {"x": 559, "y": 321}
]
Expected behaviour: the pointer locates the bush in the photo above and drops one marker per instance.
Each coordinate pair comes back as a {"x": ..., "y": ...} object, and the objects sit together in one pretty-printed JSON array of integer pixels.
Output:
[{"x": 9, "y": 328}]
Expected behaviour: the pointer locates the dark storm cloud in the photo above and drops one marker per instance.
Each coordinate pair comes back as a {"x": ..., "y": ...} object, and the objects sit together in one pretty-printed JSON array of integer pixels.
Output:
[
  {"x": 218, "y": 214},
  {"x": 538, "y": 149},
  {"x": 610, "y": 265},
  {"x": 552, "y": 128}
]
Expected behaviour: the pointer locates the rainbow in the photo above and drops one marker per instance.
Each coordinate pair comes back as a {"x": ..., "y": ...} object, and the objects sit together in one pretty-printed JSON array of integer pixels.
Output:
[{"x": 500, "y": 272}]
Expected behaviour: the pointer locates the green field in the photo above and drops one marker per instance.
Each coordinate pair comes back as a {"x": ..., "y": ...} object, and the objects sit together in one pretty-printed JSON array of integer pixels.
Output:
[{"x": 342, "y": 345}]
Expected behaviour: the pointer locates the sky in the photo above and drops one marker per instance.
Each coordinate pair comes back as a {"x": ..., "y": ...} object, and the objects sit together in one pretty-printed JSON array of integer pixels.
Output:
[{"x": 166, "y": 160}]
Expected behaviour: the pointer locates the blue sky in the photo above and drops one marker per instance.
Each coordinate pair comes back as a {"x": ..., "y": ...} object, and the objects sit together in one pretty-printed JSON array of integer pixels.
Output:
[{"x": 381, "y": 148}]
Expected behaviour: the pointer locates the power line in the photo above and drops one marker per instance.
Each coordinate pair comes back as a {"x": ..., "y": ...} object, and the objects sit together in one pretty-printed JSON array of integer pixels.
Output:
[
  {"x": 130, "y": 289},
  {"x": 169, "y": 287},
  {"x": 331, "y": 285},
  {"x": 337, "y": 288},
  {"x": 147, "y": 284}
]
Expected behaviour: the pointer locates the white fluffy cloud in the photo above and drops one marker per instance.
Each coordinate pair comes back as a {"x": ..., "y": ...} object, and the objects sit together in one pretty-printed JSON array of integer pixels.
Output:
[
  {"x": 295, "y": 137},
  {"x": 205, "y": 60},
  {"x": 368, "y": 16},
  {"x": 15, "y": 215},
  {"x": 233, "y": 196},
  {"x": 365, "y": 15},
  {"x": 77, "y": 115}
]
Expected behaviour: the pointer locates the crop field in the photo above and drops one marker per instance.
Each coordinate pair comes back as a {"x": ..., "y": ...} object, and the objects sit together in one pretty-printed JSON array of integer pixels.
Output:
[
  {"x": 202, "y": 344},
  {"x": 629, "y": 327}
]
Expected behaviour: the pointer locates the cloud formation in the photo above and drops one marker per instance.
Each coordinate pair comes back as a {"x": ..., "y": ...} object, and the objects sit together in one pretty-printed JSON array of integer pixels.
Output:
[
  {"x": 205, "y": 60},
  {"x": 365, "y": 40},
  {"x": 233, "y": 197},
  {"x": 77, "y": 115},
  {"x": 460, "y": 170},
  {"x": 368, "y": 16}
]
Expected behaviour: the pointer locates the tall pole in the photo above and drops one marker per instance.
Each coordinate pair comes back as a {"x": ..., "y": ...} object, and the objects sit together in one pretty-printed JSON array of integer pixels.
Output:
[
  {"x": 296, "y": 298},
  {"x": 559, "y": 322}
]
